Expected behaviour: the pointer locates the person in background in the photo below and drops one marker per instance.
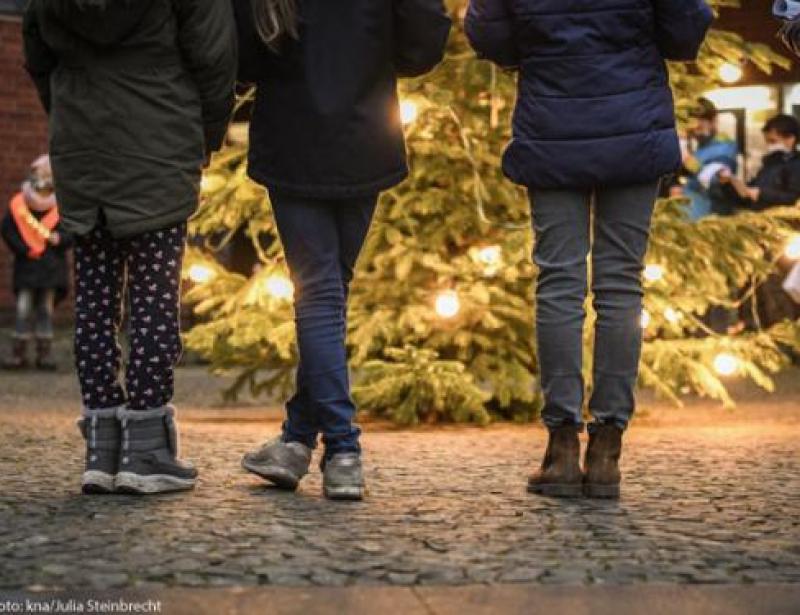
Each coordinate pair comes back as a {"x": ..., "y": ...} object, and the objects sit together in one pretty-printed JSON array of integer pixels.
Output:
[
  {"x": 789, "y": 12},
  {"x": 594, "y": 133},
  {"x": 708, "y": 155},
  {"x": 34, "y": 233},
  {"x": 139, "y": 94},
  {"x": 326, "y": 138},
  {"x": 778, "y": 181}
]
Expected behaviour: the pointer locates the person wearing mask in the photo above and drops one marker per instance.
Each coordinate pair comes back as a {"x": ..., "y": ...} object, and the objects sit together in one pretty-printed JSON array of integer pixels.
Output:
[
  {"x": 594, "y": 129},
  {"x": 778, "y": 181},
  {"x": 326, "y": 138},
  {"x": 139, "y": 94},
  {"x": 709, "y": 155}
]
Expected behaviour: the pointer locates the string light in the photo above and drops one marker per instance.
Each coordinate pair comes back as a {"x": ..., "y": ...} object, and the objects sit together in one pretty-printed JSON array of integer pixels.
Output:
[
  {"x": 653, "y": 273},
  {"x": 730, "y": 73},
  {"x": 408, "y": 112},
  {"x": 448, "y": 304},
  {"x": 200, "y": 274},
  {"x": 793, "y": 248},
  {"x": 279, "y": 287},
  {"x": 725, "y": 364},
  {"x": 645, "y": 319},
  {"x": 672, "y": 315},
  {"x": 491, "y": 257}
]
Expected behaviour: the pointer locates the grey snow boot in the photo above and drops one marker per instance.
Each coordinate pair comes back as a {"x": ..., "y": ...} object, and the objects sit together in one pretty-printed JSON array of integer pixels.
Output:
[
  {"x": 281, "y": 463},
  {"x": 149, "y": 460},
  {"x": 343, "y": 477},
  {"x": 100, "y": 428}
]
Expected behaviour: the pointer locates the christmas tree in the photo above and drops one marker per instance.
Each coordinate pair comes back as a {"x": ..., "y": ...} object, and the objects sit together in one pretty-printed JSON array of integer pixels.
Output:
[{"x": 441, "y": 320}]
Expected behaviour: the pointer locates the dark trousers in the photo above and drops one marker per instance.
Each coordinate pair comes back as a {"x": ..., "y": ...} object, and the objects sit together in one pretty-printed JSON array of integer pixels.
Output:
[
  {"x": 562, "y": 220},
  {"x": 322, "y": 240},
  {"x": 149, "y": 265},
  {"x": 35, "y": 313}
]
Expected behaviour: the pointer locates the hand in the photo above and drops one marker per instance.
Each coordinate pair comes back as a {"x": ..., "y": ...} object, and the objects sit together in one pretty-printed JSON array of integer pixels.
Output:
[
  {"x": 754, "y": 194},
  {"x": 54, "y": 238},
  {"x": 725, "y": 176}
]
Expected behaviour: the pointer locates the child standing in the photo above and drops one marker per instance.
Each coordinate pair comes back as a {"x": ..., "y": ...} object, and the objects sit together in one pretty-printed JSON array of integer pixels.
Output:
[
  {"x": 326, "y": 139},
  {"x": 33, "y": 231},
  {"x": 594, "y": 129},
  {"x": 139, "y": 94}
]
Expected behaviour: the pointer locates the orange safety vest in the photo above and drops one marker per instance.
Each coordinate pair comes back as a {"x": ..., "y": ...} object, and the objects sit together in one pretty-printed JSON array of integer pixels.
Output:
[{"x": 34, "y": 232}]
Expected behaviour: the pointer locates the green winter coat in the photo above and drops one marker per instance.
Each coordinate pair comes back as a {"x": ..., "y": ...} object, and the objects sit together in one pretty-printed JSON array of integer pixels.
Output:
[{"x": 139, "y": 92}]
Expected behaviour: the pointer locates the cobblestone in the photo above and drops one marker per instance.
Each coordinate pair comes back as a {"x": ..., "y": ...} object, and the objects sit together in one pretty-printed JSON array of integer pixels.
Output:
[{"x": 446, "y": 507}]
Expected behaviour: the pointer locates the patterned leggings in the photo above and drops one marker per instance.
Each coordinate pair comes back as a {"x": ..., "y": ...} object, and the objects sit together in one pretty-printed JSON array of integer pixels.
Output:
[{"x": 150, "y": 266}]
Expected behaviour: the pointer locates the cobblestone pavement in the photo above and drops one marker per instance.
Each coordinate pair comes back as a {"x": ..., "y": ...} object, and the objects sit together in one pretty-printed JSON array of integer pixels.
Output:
[{"x": 446, "y": 507}]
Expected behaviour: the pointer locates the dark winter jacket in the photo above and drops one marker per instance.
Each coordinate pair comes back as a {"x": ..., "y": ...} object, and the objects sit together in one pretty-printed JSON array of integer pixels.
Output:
[
  {"x": 594, "y": 105},
  {"x": 326, "y": 122},
  {"x": 778, "y": 181},
  {"x": 138, "y": 93},
  {"x": 49, "y": 271}
]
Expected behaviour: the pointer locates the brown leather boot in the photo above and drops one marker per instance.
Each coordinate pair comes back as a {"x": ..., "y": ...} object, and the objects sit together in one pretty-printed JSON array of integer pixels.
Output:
[
  {"x": 19, "y": 355},
  {"x": 560, "y": 475},
  {"x": 44, "y": 362},
  {"x": 603, "y": 477}
]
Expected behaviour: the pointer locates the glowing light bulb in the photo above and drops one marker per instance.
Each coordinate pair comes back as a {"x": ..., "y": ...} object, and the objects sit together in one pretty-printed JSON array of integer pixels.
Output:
[
  {"x": 793, "y": 248},
  {"x": 672, "y": 315},
  {"x": 726, "y": 364},
  {"x": 448, "y": 304},
  {"x": 279, "y": 286},
  {"x": 491, "y": 257},
  {"x": 200, "y": 274},
  {"x": 645, "y": 319},
  {"x": 408, "y": 112},
  {"x": 730, "y": 73},
  {"x": 653, "y": 273}
]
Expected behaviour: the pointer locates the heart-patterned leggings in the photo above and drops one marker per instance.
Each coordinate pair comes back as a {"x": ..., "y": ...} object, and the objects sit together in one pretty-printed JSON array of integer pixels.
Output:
[{"x": 149, "y": 266}]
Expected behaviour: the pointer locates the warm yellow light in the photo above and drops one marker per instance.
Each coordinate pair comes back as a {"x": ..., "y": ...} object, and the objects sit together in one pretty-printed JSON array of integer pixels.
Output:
[
  {"x": 752, "y": 98},
  {"x": 793, "y": 248},
  {"x": 279, "y": 286},
  {"x": 448, "y": 304},
  {"x": 730, "y": 73},
  {"x": 726, "y": 364},
  {"x": 408, "y": 111},
  {"x": 672, "y": 315},
  {"x": 645, "y": 319},
  {"x": 491, "y": 257},
  {"x": 653, "y": 273},
  {"x": 200, "y": 274}
]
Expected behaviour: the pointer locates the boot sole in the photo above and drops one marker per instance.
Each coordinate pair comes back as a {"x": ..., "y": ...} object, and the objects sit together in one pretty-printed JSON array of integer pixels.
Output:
[
  {"x": 602, "y": 492},
  {"x": 94, "y": 482},
  {"x": 351, "y": 494},
  {"x": 278, "y": 476},
  {"x": 555, "y": 490},
  {"x": 136, "y": 484}
]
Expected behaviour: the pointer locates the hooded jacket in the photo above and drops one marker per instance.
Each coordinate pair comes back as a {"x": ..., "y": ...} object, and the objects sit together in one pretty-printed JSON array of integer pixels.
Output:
[
  {"x": 139, "y": 92},
  {"x": 326, "y": 122},
  {"x": 594, "y": 104}
]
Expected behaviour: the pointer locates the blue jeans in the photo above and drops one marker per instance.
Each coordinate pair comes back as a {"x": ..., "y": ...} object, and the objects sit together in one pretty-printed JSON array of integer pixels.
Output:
[
  {"x": 35, "y": 313},
  {"x": 322, "y": 240},
  {"x": 562, "y": 221}
]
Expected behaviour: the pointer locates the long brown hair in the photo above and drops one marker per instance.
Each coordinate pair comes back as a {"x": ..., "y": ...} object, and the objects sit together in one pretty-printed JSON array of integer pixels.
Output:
[{"x": 275, "y": 20}]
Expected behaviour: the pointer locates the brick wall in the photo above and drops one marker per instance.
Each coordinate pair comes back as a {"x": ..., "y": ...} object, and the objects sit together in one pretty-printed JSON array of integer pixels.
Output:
[{"x": 23, "y": 134}]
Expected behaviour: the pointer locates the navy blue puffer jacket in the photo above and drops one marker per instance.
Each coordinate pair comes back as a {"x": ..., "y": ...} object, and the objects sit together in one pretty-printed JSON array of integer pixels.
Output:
[{"x": 594, "y": 105}]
